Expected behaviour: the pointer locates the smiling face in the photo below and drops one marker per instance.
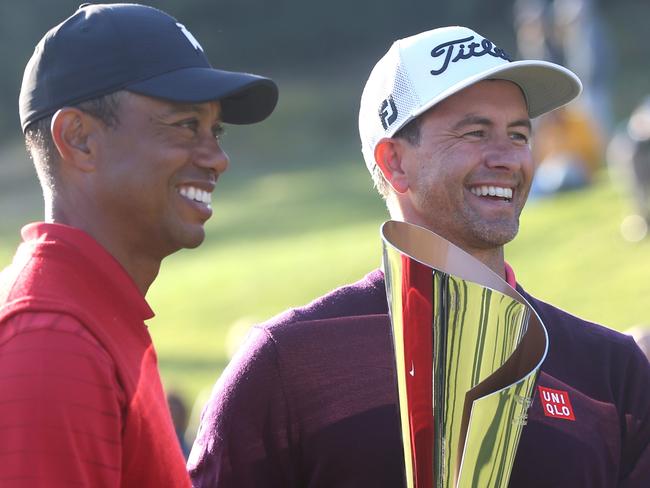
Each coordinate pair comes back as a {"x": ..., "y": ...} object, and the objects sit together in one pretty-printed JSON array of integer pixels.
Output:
[
  {"x": 469, "y": 176},
  {"x": 156, "y": 171}
]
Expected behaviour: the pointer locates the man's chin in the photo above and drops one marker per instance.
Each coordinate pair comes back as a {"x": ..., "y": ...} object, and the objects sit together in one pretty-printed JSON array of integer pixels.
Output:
[
  {"x": 189, "y": 237},
  {"x": 195, "y": 240},
  {"x": 497, "y": 238}
]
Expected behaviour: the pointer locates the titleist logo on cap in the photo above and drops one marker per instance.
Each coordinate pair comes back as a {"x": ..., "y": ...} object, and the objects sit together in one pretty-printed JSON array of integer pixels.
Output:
[{"x": 464, "y": 51}]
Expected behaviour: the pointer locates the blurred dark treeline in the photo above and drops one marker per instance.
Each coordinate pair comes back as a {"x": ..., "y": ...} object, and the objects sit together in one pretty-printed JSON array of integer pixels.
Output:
[{"x": 321, "y": 42}]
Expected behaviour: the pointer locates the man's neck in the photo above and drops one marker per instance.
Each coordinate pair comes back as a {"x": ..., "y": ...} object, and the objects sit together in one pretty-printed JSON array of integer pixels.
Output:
[
  {"x": 492, "y": 258},
  {"x": 140, "y": 266}
]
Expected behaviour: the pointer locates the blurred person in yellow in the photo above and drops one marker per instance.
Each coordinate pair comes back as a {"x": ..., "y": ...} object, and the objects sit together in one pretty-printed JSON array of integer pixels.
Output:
[{"x": 567, "y": 149}]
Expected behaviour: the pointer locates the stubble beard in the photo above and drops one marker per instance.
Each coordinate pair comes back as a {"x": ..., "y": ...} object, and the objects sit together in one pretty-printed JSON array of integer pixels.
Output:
[
  {"x": 467, "y": 228},
  {"x": 487, "y": 235}
]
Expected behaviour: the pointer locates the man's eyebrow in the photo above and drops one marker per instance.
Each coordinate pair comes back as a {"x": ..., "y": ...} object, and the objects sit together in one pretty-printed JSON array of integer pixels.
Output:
[
  {"x": 176, "y": 107},
  {"x": 472, "y": 120},
  {"x": 479, "y": 120},
  {"x": 522, "y": 123},
  {"x": 180, "y": 108}
]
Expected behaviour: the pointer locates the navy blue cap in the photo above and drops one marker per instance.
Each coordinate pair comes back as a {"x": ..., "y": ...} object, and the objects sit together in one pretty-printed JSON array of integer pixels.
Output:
[{"x": 104, "y": 48}]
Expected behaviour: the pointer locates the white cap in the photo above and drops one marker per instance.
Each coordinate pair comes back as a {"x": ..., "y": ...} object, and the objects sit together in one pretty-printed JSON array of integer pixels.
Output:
[{"x": 419, "y": 71}]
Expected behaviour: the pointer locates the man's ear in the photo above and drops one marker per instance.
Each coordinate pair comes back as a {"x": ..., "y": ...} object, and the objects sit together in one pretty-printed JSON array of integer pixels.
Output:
[
  {"x": 388, "y": 156},
  {"x": 73, "y": 134}
]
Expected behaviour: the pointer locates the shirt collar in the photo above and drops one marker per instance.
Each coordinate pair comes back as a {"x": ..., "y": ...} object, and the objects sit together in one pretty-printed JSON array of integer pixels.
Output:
[
  {"x": 510, "y": 275},
  {"x": 93, "y": 252}
]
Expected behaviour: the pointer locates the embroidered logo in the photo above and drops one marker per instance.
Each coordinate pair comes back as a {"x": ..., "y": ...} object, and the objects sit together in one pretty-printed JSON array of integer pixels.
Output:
[
  {"x": 556, "y": 403},
  {"x": 464, "y": 49},
  {"x": 522, "y": 418},
  {"x": 189, "y": 36},
  {"x": 387, "y": 113}
]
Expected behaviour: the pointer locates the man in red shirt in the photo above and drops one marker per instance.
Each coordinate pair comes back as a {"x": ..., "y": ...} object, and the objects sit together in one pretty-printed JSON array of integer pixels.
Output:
[{"x": 122, "y": 113}]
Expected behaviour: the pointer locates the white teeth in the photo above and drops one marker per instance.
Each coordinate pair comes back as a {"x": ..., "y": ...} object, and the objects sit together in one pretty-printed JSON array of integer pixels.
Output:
[
  {"x": 493, "y": 191},
  {"x": 196, "y": 194}
]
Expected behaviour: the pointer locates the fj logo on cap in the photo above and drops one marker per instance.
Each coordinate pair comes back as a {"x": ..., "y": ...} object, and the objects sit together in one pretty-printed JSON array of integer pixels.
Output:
[
  {"x": 387, "y": 113},
  {"x": 464, "y": 49},
  {"x": 556, "y": 403},
  {"x": 189, "y": 36}
]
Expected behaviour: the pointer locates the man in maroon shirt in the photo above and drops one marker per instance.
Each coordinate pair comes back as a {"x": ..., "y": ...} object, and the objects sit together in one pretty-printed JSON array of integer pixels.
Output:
[
  {"x": 311, "y": 398},
  {"x": 122, "y": 114}
]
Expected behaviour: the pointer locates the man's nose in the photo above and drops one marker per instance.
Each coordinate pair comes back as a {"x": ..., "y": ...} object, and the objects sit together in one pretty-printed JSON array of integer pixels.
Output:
[
  {"x": 210, "y": 155},
  {"x": 502, "y": 153}
]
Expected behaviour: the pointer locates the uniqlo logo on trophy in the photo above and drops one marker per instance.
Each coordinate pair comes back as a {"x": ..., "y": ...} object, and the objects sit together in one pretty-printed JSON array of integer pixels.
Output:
[{"x": 556, "y": 403}]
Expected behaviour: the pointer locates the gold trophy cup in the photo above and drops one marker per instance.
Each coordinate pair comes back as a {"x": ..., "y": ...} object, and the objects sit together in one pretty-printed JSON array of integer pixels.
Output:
[{"x": 468, "y": 348}]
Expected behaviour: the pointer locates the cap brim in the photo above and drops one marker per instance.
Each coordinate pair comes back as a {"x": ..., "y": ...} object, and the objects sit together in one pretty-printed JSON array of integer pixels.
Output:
[
  {"x": 245, "y": 98},
  {"x": 545, "y": 85}
]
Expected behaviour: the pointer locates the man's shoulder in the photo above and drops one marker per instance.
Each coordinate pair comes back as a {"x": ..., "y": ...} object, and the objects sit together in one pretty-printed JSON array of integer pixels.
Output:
[
  {"x": 591, "y": 400},
  {"x": 41, "y": 326},
  {"x": 364, "y": 297},
  {"x": 561, "y": 322},
  {"x": 59, "y": 342},
  {"x": 582, "y": 349}
]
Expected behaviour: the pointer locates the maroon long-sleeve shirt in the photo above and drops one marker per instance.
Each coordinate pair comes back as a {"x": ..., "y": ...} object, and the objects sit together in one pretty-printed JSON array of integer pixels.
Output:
[{"x": 311, "y": 401}]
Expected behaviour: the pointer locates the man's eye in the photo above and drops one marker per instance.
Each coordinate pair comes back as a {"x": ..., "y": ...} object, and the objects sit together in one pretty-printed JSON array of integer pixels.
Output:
[
  {"x": 518, "y": 136},
  {"x": 191, "y": 124},
  {"x": 475, "y": 133},
  {"x": 218, "y": 131}
]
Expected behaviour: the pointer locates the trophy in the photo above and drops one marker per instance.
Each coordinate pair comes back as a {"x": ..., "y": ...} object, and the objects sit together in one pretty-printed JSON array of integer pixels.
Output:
[{"x": 468, "y": 348}]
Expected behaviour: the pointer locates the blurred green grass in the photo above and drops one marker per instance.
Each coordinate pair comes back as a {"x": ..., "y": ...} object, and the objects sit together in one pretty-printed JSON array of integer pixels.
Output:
[{"x": 283, "y": 236}]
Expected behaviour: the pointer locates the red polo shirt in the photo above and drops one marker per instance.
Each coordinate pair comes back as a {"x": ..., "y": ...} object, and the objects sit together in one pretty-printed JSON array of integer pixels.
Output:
[{"x": 81, "y": 402}]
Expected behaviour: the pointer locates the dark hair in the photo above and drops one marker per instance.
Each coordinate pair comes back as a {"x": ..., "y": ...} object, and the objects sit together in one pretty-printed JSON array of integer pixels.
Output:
[
  {"x": 410, "y": 133},
  {"x": 38, "y": 137}
]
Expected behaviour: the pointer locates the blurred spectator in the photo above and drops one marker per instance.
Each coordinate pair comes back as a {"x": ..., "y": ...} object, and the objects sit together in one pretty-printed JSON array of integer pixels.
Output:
[
  {"x": 195, "y": 414},
  {"x": 179, "y": 413},
  {"x": 569, "y": 143},
  {"x": 583, "y": 42},
  {"x": 571, "y": 33},
  {"x": 641, "y": 335},
  {"x": 567, "y": 149},
  {"x": 628, "y": 158},
  {"x": 533, "y": 31}
]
